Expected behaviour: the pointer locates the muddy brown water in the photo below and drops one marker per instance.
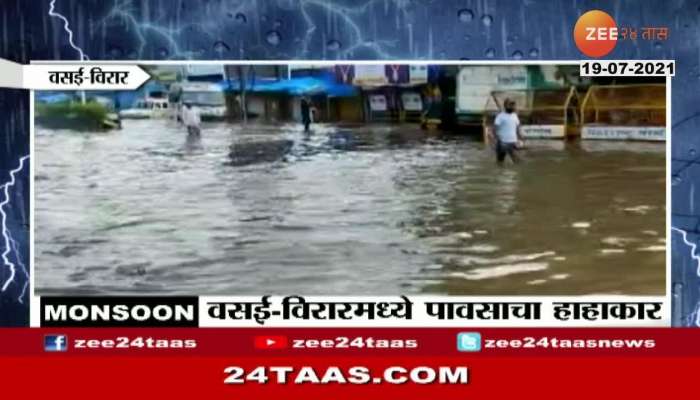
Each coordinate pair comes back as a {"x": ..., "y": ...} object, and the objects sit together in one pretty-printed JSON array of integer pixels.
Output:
[{"x": 366, "y": 211}]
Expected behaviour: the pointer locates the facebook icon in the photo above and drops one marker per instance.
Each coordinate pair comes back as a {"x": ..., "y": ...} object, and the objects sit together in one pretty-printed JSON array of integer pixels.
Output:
[{"x": 55, "y": 343}]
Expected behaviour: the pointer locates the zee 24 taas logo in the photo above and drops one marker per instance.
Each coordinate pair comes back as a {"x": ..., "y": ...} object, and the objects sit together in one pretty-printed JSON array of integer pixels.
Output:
[{"x": 596, "y": 33}]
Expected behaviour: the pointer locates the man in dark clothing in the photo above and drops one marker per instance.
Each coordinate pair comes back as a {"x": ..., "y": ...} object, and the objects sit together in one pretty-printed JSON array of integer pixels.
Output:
[{"x": 305, "y": 113}]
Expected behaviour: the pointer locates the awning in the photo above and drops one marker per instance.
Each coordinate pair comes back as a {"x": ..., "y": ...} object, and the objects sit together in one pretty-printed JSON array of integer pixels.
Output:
[
  {"x": 296, "y": 87},
  {"x": 52, "y": 97}
]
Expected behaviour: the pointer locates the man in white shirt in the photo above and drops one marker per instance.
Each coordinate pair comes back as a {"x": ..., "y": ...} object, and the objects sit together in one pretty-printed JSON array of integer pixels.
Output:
[
  {"x": 507, "y": 132},
  {"x": 191, "y": 120}
]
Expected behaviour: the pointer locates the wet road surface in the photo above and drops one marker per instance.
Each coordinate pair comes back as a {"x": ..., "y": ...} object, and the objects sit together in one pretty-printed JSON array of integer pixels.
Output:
[{"x": 366, "y": 211}]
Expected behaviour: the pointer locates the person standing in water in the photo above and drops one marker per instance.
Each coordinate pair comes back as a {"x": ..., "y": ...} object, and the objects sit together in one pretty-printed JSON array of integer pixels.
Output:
[
  {"x": 508, "y": 134},
  {"x": 191, "y": 120},
  {"x": 305, "y": 113}
]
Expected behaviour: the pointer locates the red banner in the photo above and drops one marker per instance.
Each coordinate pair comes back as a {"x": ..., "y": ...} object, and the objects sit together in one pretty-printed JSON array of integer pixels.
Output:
[{"x": 348, "y": 363}]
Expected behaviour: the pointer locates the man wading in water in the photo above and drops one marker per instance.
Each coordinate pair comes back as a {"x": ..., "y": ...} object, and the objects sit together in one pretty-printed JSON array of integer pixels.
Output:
[
  {"x": 191, "y": 120},
  {"x": 507, "y": 132},
  {"x": 305, "y": 113}
]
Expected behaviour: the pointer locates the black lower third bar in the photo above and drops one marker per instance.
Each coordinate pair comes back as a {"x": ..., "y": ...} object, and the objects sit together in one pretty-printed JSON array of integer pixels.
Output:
[{"x": 146, "y": 311}]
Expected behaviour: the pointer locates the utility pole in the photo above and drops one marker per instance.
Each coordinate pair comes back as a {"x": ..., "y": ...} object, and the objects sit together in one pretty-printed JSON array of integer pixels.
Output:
[{"x": 241, "y": 84}]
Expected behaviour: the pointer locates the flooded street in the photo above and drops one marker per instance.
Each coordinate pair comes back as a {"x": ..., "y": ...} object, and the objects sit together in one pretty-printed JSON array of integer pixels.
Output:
[{"x": 365, "y": 211}]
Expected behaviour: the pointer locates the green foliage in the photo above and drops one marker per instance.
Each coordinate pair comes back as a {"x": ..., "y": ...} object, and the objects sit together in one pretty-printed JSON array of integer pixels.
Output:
[{"x": 91, "y": 111}]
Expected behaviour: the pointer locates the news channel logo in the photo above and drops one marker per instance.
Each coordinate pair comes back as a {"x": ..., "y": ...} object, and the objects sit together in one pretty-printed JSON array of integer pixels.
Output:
[
  {"x": 469, "y": 341},
  {"x": 55, "y": 343}
]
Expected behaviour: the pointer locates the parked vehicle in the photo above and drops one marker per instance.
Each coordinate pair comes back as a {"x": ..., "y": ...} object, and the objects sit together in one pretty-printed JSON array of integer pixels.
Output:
[
  {"x": 207, "y": 97},
  {"x": 146, "y": 108}
]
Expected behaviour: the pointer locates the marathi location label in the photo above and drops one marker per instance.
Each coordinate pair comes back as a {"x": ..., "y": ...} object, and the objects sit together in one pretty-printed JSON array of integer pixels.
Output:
[
  {"x": 82, "y": 76},
  {"x": 86, "y": 77}
]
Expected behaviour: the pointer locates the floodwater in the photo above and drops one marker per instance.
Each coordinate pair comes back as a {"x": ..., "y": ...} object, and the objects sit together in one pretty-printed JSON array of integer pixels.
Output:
[{"x": 373, "y": 210}]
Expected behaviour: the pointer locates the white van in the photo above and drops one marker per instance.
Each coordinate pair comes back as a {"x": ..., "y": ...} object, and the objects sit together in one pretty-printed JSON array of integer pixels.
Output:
[
  {"x": 208, "y": 98},
  {"x": 147, "y": 108}
]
